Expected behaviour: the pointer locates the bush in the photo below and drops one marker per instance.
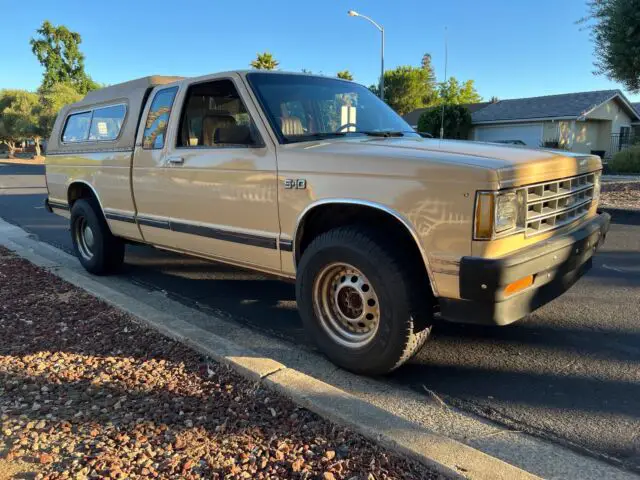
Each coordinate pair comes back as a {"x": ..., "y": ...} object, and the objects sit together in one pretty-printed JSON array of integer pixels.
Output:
[
  {"x": 626, "y": 161},
  {"x": 457, "y": 122}
]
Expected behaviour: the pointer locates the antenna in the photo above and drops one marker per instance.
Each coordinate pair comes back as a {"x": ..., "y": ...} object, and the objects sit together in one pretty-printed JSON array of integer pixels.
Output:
[{"x": 446, "y": 61}]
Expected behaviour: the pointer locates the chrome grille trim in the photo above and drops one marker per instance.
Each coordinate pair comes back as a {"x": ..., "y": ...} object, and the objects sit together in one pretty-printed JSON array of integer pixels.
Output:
[{"x": 553, "y": 204}]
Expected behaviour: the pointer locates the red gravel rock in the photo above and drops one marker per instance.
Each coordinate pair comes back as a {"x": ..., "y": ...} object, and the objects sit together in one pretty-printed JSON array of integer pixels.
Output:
[
  {"x": 620, "y": 195},
  {"x": 92, "y": 393}
]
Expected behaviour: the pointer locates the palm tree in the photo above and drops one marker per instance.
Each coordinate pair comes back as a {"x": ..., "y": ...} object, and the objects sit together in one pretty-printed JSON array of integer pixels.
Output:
[
  {"x": 265, "y": 61},
  {"x": 345, "y": 75}
]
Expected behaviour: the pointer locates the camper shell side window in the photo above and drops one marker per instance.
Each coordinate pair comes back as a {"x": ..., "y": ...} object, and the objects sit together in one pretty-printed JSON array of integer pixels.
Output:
[{"x": 99, "y": 124}]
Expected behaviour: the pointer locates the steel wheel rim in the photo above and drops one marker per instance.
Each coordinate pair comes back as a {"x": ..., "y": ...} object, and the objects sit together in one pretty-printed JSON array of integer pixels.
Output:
[
  {"x": 346, "y": 305},
  {"x": 84, "y": 238}
]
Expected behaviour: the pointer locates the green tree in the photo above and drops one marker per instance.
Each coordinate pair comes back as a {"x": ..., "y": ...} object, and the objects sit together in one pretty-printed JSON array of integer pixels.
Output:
[
  {"x": 457, "y": 122},
  {"x": 428, "y": 66},
  {"x": 52, "y": 99},
  {"x": 407, "y": 88},
  {"x": 8, "y": 135},
  {"x": 452, "y": 92},
  {"x": 19, "y": 119},
  {"x": 616, "y": 34},
  {"x": 345, "y": 75},
  {"x": 265, "y": 61},
  {"x": 58, "y": 51}
]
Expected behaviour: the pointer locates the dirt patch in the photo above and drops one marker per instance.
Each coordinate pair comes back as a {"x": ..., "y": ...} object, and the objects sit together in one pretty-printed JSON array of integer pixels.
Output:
[{"x": 87, "y": 392}]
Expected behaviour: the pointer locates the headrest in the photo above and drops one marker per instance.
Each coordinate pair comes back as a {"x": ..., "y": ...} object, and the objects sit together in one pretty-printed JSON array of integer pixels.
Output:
[{"x": 236, "y": 135}]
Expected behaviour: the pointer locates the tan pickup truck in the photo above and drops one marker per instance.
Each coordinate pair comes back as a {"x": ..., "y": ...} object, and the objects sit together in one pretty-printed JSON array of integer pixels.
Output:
[{"x": 316, "y": 180}]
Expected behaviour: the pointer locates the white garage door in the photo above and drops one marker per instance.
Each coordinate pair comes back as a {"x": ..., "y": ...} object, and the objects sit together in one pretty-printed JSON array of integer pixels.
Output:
[{"x": 530, "y": 133}]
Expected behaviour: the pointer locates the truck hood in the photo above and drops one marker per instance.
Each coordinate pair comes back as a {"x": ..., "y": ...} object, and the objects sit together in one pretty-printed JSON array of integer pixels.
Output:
[{"x": 513, "y": 165}]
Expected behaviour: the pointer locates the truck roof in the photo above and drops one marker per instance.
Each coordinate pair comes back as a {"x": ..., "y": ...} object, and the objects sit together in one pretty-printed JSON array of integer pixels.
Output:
[
  {"x": 132, "y": 94},
  {"x": 124, "y": 89}
]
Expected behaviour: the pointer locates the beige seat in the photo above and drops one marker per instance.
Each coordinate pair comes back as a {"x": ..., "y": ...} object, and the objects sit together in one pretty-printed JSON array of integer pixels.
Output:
[
  {"x": 211, "y": 123},
  {"x": 291, "y": 126}
]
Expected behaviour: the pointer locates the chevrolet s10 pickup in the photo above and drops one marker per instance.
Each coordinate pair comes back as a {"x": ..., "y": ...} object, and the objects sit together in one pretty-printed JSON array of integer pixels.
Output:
[{"x": 316, "y": 180}]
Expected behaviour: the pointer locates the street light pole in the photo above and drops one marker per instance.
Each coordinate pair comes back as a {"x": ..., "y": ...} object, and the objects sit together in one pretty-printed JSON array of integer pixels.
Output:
[{"x": 353, "y": 13}]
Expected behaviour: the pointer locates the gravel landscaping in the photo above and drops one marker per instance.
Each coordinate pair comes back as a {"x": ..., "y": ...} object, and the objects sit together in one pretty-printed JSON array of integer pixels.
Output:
[
  {"x": 621, "y": 195},
  {"x": 87, "y": 392}
]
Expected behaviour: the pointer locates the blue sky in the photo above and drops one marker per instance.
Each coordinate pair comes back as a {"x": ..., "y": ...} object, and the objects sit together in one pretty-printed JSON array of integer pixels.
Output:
[{"x": 511, "y": 48}]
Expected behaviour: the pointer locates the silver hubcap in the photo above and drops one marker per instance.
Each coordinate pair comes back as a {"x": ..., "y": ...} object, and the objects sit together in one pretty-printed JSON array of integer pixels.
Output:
[
  {"x": 346, "y": 305},
  {"x": 84, "y": 238}
]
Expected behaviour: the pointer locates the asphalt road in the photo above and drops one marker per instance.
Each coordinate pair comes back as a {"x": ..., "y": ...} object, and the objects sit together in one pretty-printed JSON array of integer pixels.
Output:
[{"x": 569, "y": 372}]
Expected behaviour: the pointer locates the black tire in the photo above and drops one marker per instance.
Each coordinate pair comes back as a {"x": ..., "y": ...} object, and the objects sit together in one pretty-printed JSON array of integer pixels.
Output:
[
  {"x": 405, "y": 311},
  {"x": 107, "y": 251}
]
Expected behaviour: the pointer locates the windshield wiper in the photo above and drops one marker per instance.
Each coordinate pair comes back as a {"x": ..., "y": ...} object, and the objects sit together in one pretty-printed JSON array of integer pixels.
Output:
[
  {"x": 381, "y": 133},
  {"x": 313, "y": 136}
]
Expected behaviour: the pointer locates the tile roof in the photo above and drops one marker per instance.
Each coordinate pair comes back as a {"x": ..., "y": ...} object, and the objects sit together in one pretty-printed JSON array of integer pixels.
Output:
[{"x": 550, "y": 106}]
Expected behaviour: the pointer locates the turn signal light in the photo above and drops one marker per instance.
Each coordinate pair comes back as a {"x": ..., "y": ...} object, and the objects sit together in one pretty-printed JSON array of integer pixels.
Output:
[
  {"x": 484, "y": 215},
  {"x": 518, "y": 285}
]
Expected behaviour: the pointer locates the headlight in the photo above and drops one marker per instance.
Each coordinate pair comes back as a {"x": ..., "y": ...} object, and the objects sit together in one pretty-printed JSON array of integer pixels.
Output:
[{"x": 499, "y": 213}]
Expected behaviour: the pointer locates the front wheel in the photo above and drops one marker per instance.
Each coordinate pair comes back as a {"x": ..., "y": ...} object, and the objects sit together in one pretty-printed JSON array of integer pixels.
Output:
[
  {"x": 97, "y": 249},
  {"x": 357, "y": 298}
]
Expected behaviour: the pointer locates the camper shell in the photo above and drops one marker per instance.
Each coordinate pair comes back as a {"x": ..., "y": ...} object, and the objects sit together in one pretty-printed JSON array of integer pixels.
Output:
[{"x": 132, "y": 95}]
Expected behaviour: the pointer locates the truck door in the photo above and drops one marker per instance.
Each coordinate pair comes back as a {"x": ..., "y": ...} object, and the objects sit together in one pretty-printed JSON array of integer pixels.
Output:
[{"x": 210, "y": 186}]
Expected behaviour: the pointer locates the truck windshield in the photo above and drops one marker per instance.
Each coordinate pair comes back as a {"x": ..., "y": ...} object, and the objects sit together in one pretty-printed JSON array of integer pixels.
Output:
[{"x": 303, "y": 107}]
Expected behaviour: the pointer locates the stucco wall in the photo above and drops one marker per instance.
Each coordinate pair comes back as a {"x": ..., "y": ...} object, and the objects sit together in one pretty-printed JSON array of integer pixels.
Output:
[{"x": 611, "y": 111}]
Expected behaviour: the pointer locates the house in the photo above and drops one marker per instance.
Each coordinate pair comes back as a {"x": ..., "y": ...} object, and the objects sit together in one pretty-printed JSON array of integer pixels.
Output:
[
  {"x": 412, "y": 117},
  {"x": 583, "y": 122},
  {"x": 602, "y": 122}
]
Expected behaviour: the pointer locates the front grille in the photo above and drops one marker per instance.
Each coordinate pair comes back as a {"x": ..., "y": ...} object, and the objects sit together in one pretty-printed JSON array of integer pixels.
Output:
[{"x": 554, "y": 204}]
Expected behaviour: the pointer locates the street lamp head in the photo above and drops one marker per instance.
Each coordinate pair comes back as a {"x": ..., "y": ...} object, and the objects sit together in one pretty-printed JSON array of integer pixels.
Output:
[{"x": 353, "y": 13}]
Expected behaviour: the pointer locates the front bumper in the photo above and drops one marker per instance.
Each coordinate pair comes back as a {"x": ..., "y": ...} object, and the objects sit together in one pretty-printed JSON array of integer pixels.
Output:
[{"x": 556, "y": 265}]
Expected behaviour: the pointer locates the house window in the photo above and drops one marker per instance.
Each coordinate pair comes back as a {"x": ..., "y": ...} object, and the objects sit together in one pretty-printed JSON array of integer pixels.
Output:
[{"x": 155, "y": 127}]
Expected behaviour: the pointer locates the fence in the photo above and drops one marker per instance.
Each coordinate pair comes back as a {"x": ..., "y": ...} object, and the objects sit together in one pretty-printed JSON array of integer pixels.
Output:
[{"x": 621, "y": 141}]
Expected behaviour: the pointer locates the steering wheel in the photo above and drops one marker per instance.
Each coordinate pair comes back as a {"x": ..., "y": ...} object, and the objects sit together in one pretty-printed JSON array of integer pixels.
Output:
[{"x": 346, "y": 125}]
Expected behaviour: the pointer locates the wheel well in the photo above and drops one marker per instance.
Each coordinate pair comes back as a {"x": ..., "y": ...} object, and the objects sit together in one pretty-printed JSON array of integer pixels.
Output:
[
  {"x": 323, "y": 218},
  {"x": 79, "y": 190}
]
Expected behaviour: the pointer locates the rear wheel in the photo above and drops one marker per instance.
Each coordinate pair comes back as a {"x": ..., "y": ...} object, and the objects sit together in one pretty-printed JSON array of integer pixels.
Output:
[
  {"x": 358, "y": 299},
  {"x": 97, "y": 249}
]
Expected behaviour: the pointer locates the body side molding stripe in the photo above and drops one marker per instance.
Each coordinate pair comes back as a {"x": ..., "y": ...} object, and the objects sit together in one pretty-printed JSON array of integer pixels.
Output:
[
  {"x": 59, "y": 205},
  {"x": 286, "y": 245},
  {"x": 120, "y": 217},
  {"x": 211, "y": 232}
]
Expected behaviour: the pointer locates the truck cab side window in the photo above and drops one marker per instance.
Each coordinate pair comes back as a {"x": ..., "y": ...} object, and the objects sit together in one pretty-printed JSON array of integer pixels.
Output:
[
  {"x": 155, "y": 127},
  {"x": 214, "y": 115}
]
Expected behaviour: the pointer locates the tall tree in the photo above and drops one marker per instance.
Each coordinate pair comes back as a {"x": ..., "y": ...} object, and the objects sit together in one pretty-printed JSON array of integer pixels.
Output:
[
  {"x": 8, "y": 134},
  {"x": 407, "y": 88},
  {"x": 457, "y": 122},
  {"x": 52, "y": 99},
  {"x": 345, "y": 75},
  {"x": 58, "y": 51},
  {"x": 452, "y": 92},
  {"x": 265, "y": 61},
  {"x": 428, "y": 66},
  {"x": 616, "y": 34},
  {"x": 19, "y": 118}
]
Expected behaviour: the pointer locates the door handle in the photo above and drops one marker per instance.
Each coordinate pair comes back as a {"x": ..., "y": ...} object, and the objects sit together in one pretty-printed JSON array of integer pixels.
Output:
[{"x": 175, "y": 160}]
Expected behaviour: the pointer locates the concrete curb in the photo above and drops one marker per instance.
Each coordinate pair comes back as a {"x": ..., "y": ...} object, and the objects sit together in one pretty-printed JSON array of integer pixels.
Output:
[{"x": 444, "y": 455}]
